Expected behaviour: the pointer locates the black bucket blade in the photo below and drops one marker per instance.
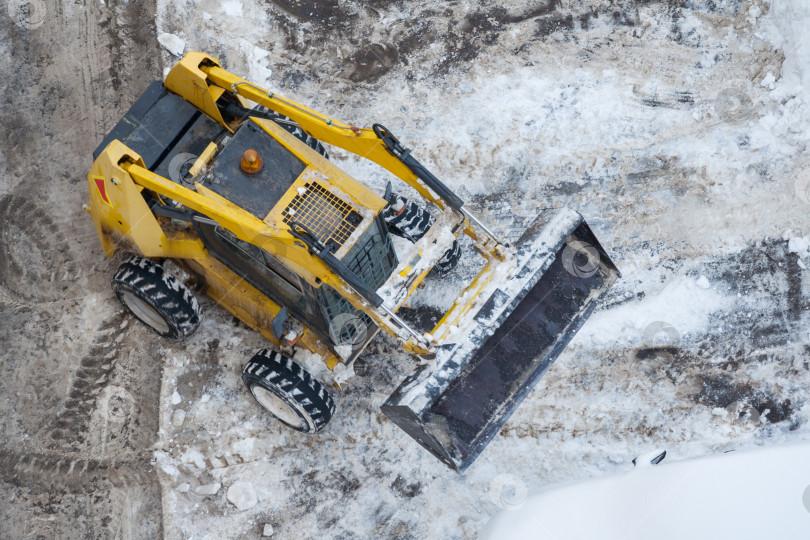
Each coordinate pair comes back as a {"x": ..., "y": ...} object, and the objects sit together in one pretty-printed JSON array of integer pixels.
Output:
[{"x": 458, "y": 402}]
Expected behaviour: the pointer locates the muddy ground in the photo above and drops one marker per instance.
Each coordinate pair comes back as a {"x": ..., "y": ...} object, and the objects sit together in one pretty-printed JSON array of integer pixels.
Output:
[{"x": 79, "y": 397}]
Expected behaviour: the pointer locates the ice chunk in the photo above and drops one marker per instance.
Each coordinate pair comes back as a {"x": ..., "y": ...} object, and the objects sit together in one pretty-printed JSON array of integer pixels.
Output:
[
  {"x": 178, "y": 417},
  {"x": 174, "y": 44},
  {"x": 193, "y": 456},
  {"x": 232, "y": 8},
  {"x": 165, "y": 465},
  {"x": 215, "y": 462},
  {"x": 343, "y": 373},
  {"x": 242, "y": 495},
  {"x": 268, "y": 530},
  {"x": 799, "y": 246},
  {"x": 703, "y": 282},
  {"x": 208, "y": 489},
  {"x": 769, "y": 81},
  {"x": 176, "y": 399}
]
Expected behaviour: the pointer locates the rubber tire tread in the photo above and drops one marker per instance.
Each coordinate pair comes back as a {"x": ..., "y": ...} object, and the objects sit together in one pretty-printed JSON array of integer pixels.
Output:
[
  {"x": 412, "y": 224},
  {"x": 163, "y": 292},
  {"x": 281, "y": 375},
  {"x": 448, "y": 261}
]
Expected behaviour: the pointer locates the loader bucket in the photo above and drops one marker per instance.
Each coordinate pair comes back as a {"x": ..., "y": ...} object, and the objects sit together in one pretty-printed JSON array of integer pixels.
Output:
[{"x": 454, "y": 405}]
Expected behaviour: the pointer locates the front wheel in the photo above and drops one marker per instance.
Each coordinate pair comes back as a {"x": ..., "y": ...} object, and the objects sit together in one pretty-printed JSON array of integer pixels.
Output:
[{"x": 288, "y": 391}]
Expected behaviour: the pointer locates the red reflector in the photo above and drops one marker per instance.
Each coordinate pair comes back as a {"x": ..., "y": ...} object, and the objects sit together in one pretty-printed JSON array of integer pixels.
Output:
[{"x": 102, "y": 189}]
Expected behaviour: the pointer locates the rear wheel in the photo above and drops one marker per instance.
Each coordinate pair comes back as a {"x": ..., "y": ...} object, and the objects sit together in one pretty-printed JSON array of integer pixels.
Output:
[
  {"x": 156, "y": 298},
  {"x": 288, "y": 391},
  {"x": 449, "y": 260}
]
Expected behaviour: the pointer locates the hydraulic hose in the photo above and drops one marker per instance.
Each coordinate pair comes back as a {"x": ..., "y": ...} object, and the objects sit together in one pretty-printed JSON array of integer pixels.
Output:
[{"x": 404, "y": 155}]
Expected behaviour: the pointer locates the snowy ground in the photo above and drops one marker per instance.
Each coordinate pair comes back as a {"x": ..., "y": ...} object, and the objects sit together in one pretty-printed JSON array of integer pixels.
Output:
[{"x": 678, "y": 129}]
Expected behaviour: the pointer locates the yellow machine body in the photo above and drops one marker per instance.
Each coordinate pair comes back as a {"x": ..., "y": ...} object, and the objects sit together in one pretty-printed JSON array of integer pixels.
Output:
[{"x": 123, "y": 220}]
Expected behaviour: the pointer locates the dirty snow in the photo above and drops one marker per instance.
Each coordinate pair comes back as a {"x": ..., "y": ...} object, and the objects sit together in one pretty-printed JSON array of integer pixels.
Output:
[{"x": 679, "y": 135}]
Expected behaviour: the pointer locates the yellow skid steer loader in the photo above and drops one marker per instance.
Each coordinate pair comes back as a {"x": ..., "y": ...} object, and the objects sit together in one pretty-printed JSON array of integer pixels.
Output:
[{"x": 245, "y": 201}]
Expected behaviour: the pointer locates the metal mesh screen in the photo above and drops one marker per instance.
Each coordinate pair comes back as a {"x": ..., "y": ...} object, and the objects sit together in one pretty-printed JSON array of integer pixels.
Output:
[{"x": 326, "y": 215}]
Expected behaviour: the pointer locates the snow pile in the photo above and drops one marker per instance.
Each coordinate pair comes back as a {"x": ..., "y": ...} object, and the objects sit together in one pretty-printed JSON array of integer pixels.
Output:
[
  {"x": 684, "y": 303},
  {"x": 786, "y": 28},
  {"x": 788, "y": 22}
]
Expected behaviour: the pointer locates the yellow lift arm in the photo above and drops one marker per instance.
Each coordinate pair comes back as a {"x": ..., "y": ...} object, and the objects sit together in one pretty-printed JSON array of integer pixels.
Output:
[{"x": 199, "y": 78}]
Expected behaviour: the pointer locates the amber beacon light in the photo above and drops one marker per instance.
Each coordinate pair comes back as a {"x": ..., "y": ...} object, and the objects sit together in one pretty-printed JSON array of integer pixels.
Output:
[{"x": 251, "y": 162}]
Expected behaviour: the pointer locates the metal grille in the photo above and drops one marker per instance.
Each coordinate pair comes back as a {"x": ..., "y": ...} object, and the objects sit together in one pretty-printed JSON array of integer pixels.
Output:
[
  {"x": 372, "y": 257},
  {"x": 327, "y": 216},
  {"x": 348, "y": 325}
]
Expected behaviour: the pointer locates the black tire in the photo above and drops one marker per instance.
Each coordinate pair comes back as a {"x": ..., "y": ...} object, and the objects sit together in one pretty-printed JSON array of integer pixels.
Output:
[
  {"x": 153, "y": 295},
  {"x": 412, "y": 223},
  {"x": 292, "y": 127},
  {"x": 276, "y": 381},
  {"x": 449, "y": 260}
]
